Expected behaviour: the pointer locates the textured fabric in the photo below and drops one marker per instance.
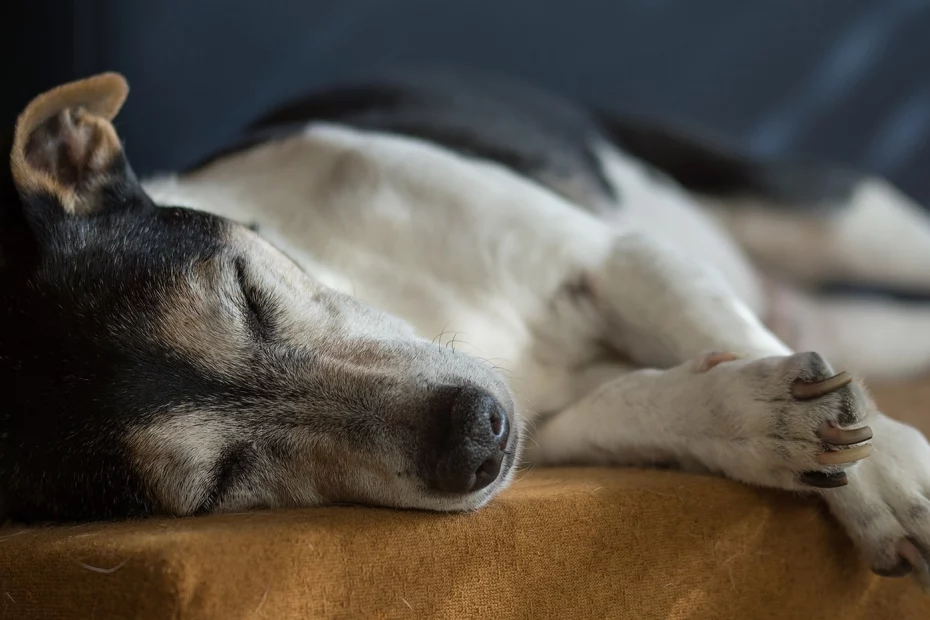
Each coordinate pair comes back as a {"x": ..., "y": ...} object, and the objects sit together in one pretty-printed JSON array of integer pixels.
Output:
[{"x": 566, "y": 543}]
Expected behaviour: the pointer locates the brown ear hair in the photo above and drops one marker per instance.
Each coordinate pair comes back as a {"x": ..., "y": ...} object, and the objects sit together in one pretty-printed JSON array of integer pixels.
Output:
[{"x": 64, "y": 144}]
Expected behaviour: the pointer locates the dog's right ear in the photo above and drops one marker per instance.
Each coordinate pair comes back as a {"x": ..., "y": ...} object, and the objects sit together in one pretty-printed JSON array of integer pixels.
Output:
[{"x": 65, "y": 149}]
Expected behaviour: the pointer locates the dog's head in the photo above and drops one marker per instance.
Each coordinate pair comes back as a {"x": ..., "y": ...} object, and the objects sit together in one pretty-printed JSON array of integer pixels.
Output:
[{"x": 162, "y": 360}]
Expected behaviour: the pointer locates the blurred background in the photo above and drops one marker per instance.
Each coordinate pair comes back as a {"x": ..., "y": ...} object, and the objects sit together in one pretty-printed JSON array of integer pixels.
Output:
[{"x": 840, "y": 80}]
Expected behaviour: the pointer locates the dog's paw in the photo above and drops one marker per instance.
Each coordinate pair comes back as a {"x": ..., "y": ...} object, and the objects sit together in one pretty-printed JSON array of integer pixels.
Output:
[
  {"x": 803, "y": 427},
  {"x": 886, "y": 506},
  {"x": 792, "y": 422}
]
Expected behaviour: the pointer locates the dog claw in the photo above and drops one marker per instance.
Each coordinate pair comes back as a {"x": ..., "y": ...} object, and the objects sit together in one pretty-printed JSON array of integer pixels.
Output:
[
  {"x": 908, "y": 550},
  {"x": 901, "y": 569},
  {"x": 841, "y": 457},
  {"x": 808, "y": 391},
  {"x": 837, "y": 436},
  {"x": 823, "y": 480}
]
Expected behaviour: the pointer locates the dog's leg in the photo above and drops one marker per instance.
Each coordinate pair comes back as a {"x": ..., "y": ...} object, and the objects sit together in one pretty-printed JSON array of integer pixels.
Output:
[
  {"x": 814, "y": 223},
  {"x": 747, "y": 420},
  {"x": 664, "y": 312},
  {"x": 876, "y": 338},
  {"x": 751, "y": 419},
  {"x": 662, "y": 309},
  {"x": 876, "y": 236}
]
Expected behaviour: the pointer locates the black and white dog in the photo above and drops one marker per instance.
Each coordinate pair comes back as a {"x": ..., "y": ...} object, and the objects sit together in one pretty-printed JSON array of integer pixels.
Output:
[{"x": 378, "y": 293}]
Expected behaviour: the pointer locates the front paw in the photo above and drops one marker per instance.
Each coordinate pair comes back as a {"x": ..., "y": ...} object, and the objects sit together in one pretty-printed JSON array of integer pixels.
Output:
[
  {"x": 795, "y": 423},
  {"x": 886, "y": 507}
]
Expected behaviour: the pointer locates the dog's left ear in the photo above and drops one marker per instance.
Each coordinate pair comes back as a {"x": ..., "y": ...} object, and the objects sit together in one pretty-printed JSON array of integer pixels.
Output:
[{"x": 65, "y": 147}]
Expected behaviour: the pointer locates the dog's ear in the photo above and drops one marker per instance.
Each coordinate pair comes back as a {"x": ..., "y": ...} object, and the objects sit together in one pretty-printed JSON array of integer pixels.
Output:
[{"x": 66, "y": 149}]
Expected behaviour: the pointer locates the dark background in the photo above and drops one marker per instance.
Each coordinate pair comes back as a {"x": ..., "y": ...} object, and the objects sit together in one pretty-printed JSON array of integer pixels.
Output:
[{"x": 840, "y": 80}]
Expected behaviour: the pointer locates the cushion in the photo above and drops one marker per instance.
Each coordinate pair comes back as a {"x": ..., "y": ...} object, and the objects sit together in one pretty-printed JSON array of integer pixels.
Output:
[{"x": 561, "y": 543}]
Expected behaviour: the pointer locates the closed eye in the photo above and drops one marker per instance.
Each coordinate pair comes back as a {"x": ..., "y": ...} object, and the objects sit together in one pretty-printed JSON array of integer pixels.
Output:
[{"x": 255, "y": 305}]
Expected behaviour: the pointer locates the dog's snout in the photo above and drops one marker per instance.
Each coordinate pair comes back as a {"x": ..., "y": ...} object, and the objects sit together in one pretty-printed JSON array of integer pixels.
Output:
[{"x": 477, "y": 432}]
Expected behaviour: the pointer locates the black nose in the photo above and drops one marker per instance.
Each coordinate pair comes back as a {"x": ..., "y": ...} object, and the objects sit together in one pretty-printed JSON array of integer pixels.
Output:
[{"x": 474, "y": 442}]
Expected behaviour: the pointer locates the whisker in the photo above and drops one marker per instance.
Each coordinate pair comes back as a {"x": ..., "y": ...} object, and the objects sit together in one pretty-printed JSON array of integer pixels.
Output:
[{"x": 441, "y": 334}]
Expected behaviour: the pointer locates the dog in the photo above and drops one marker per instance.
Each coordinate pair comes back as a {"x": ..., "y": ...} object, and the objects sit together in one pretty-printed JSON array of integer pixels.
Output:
[{"x": 393, "y": 291}]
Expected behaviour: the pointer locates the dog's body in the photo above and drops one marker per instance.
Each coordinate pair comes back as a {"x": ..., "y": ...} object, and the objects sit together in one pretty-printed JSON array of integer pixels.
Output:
[{"x": 608, "y": 281}]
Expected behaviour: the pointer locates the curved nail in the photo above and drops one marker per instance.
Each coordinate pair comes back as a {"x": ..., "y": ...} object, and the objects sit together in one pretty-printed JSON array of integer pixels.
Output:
[
  {"x": 840, "y": 457},
  {"x": 901, "y": 569},
  {"x": 908, "y": 549},
  {"x": 843, "y": 437},
  {"x": 808, "y": 391}
]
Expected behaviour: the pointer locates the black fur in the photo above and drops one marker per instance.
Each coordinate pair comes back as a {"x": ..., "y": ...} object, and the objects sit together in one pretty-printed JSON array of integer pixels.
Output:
[
  {"x": 531, "y": 132},
  {"x": 81, "y": 371},
  {"x": 77, "y": 299},
  {"x": 708, "y": 165},
  {"x": 547, "y": 138}
]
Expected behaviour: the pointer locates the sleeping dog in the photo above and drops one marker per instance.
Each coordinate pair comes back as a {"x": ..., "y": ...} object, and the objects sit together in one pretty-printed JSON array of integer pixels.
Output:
[{"x": 389, "y": 292}]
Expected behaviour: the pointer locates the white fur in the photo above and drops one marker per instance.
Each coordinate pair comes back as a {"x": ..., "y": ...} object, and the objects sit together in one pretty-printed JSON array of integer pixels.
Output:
[
  {"x": 468, "y": 248},
  {"x": 872, "y": 337},
  {"x": 881, "y": 238},
  {"x": 667, "y": 213},
  {"x": 732, "y": 419}
]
